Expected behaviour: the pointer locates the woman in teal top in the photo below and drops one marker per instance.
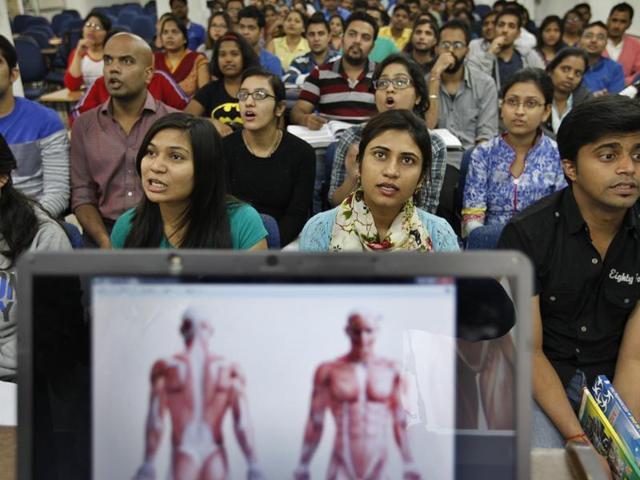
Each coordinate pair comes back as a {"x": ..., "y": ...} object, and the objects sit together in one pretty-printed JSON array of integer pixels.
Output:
[{"x": 186, "y": 204}]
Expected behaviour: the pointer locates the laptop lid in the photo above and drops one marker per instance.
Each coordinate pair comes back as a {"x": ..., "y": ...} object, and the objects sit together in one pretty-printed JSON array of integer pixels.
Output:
[{"x": 216, "y": 365}]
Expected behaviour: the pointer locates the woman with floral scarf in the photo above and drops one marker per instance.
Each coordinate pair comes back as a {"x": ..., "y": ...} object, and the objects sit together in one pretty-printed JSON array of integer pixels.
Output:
[{"x": 394, "y": 159}]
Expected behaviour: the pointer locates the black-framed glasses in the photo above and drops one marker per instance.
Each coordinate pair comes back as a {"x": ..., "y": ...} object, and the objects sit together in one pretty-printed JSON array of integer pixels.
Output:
[
  {"x": 452, "y": 45},
  {"x": 399, "y": 82},
  {"x": 259, "y": 94}
]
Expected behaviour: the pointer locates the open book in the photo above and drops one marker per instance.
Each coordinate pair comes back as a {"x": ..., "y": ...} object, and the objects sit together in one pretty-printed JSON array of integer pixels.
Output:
[{"x": 329, "y": 133}]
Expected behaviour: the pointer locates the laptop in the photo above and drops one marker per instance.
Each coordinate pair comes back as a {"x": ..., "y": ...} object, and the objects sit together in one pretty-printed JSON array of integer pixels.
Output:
[{"x": 199, "y": 364}]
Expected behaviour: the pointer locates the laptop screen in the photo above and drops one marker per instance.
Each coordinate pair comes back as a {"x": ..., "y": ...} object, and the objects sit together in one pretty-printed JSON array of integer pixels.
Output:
[
  {"x": 358, "y": 380},
  {"x": 258, "y": 376}
]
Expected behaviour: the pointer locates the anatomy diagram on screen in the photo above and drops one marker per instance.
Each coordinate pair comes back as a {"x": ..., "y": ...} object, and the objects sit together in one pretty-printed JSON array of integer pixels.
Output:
[
  {"x": 363, "y": 393},
  {"x": 197, "y": 388}
]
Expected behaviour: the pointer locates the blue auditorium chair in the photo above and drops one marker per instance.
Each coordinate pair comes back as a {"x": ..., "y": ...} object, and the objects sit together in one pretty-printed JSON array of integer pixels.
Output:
[
  {"x": 144, "y": 27},
  {"x": 32, "y": 66},
  {"x": 273, "y": 231}
]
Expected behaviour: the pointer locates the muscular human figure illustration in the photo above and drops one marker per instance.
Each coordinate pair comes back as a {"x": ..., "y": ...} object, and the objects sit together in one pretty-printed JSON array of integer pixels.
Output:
[
  {"x": 197, "y": 388},
  {"x": 363, "y": 392}
]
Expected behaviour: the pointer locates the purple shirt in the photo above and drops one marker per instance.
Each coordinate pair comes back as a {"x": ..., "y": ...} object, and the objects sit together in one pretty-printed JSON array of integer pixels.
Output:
[{"x": 103, "y": 158}]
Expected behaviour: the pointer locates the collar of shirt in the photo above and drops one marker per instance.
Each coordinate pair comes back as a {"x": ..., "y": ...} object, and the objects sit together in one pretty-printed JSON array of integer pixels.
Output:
[
  {"x": 575, "y": 221},
  {"x": 150, "y": 104},
  {"x": 338, "y": 68},
  {"x": 556, "y": 119}
]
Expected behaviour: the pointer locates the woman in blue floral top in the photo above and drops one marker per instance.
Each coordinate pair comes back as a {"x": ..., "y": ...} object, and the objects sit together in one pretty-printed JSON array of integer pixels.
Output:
[{"x": 517, "y": 168}]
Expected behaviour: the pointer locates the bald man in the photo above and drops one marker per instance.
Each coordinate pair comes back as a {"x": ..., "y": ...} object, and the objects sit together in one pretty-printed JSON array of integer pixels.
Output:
[{"x": 105, "y": 140}]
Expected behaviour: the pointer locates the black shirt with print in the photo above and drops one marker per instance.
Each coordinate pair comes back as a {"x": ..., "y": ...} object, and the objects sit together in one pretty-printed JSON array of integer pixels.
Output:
[{"x": 585, "y": 300}]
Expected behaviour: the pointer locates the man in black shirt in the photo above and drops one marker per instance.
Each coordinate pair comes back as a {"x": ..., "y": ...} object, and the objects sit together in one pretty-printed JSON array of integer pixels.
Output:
[{"x": 584, "y": 242}]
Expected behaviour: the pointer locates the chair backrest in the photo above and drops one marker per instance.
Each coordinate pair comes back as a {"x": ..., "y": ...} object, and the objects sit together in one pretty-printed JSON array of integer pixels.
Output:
[
  {"x": 73, "y": 232},
  {"x": 38, "y": 36},
  {"x": 133, "y": 7},
  {"x": 45, "y": 29},
  {"x": 32, "y": 66},
  {"x": 37, "y": 21},
  {"x": 117, "y": 28},
  {"x": 20, "y": 23},
  {"x": 76, "y": 24},
  {"x": 464, "y": 169},
  {"x": 58, "y": 22},
  {"x": 150, "y": 8},
  {"x": 143, "y": 26},
  {"x": 273, "y": 231},
  {"x": 126, "y": 17},
  {"x": 72, "y": 13},
  {"x": 484, "y": 238}
]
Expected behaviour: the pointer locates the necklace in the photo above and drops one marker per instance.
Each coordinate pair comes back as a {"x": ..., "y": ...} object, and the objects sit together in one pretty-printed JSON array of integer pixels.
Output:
[{"x": 273, "y": 148}]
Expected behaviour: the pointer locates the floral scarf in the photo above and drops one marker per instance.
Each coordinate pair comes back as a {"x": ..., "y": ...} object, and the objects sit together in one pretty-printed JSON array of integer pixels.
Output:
[{"x": 355, "y": 229}]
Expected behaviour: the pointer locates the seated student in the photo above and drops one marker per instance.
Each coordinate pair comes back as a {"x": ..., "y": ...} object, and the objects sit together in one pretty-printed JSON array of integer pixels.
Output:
[
  {"x": 584, "y": 243},
  {"x": 185, "y": 202},
  {"x": 218, "y": 100},
  {"x": 251, "y": 25},
  {"x": 23, "y": 226},
  {"x": 573, "y": 24},
  {"x": 37, "y": 138},
  {"x": 566, "y": 71},
  {"x": 622, "y": 48},
  {"x": 519, "y": 167},
  {"x": 422, "y": 47},
  {"x": 188, "y": 68},
  {"x": 550, "y": 38},
  {"x": 293, "y": 43},
  {"x": 219, "y": 25},
  {"x": 337, "y": 26},
  {"x": 399, "y": 30},
  {"x": 85, "y": 60},
  {"x": 162, "y": 87},
  {"x": 320, "y": 52},
  {"x": 268, "y": 167},
  {"x": 394, "y": 160},
  {"x": 341, "y": 89},
  {"x": 399, "y": 84},
  {"x": 195, "y": 32},
  {"x": 604, "y": 76}
]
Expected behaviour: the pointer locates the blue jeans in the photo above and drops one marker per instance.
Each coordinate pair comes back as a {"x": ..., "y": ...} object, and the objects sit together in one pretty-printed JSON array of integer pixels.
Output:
[{"x": 544, "y": 432}]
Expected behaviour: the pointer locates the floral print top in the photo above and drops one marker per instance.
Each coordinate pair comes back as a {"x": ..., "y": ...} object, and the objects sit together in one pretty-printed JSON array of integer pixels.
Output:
[{"x": 492, "y": 195}]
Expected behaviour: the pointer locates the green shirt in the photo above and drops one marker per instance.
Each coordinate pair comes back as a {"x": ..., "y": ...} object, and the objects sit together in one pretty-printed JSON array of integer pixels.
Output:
[
  {"x": 382, "y": 49},
  {"x": 245, "y": 223}
]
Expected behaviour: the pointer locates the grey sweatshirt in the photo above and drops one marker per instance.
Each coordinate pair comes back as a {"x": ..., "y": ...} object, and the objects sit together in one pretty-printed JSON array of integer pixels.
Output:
[{"x": 50, "y": 236}]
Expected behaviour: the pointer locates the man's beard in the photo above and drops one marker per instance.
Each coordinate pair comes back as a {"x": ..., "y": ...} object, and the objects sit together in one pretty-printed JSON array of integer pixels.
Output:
[
  {"x": 355, "y": 62},
  {"x": 423, "y": 51},
  {"x": 456, "y": 66}
]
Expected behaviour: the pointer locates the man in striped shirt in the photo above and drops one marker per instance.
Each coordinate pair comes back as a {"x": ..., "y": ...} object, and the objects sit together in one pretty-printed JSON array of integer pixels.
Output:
[{"x": 341, "y": 90}]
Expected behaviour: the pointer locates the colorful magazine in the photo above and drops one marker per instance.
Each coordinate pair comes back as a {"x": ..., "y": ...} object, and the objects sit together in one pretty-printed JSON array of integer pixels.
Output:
[
  {"x": 605, "y": 439},
  {"x": 619, "y": 415}
]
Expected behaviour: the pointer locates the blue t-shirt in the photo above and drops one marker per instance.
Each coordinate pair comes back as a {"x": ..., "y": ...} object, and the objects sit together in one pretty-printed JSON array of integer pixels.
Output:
[
  {"x": 507, "y": 69},
  {"x": 270, "y": 62},
  {"x": 196, "y": 36},
  {"x": 245, "y": 223}
]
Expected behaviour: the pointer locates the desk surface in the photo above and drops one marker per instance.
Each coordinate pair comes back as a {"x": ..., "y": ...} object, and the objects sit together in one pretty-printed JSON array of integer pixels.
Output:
[
  {"x": 61, "y": 96},
  {"x": 8, "y": 455},
  {"x": 55, "y": 41}
]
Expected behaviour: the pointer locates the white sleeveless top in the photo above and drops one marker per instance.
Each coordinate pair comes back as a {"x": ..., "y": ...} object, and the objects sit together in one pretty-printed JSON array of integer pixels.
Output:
[{"x": 91, "y": 70}]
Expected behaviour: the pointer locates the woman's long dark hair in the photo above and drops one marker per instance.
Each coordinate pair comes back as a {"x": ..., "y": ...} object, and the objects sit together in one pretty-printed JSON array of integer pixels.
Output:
[
  {"x": 204, "y": 220},
  {"x": 545, "y": 23},
  {"x": 18, "y": 221}
]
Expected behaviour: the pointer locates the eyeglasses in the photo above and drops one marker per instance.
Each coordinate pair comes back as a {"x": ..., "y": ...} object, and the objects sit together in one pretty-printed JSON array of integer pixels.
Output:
[
  {"x": 452, "y": 45},
  {"x": 259, "y": 94},
  {"x": 513, "y": 102},
  {"x": 94, "y": 26},
  {"x": 399, "y": 82},
  {"x": 589, "y": 36}
]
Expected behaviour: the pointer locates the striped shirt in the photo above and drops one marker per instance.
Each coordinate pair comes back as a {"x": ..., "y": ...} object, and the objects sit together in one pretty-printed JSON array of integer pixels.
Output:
[
  {"x": 38, "y": 140},
  {"x": 336, "y": 96}
]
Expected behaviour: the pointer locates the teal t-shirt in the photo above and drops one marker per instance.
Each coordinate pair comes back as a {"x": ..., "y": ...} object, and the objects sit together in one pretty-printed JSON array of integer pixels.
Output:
[
  {"x": 382, "y": 49},
  {"x": 245, "y": 223}
]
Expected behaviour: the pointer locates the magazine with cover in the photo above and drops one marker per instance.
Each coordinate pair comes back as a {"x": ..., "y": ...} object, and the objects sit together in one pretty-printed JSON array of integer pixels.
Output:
[
  {"x": 605, "y": 439},
  {"x": 618, "y": 414}
]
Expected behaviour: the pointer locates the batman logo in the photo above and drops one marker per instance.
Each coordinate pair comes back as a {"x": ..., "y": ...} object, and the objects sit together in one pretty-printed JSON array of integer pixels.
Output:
[{"x": 227, "y": 113}]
